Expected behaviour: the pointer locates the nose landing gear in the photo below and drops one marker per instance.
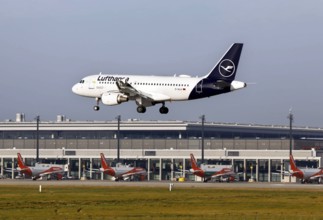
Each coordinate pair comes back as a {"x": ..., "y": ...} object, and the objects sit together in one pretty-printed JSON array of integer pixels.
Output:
[{"x": 97, "y": 107}]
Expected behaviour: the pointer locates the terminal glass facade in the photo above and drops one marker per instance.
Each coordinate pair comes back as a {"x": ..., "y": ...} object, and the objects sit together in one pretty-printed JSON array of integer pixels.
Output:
[{"x": 151, "y": 137}]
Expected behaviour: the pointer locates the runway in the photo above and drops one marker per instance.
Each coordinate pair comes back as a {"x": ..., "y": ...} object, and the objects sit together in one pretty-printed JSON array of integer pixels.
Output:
[{"x": 105, "y": 183}]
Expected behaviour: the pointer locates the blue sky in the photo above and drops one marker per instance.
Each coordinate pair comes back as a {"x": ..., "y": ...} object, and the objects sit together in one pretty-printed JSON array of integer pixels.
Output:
[{"x": 47, "y": 46}]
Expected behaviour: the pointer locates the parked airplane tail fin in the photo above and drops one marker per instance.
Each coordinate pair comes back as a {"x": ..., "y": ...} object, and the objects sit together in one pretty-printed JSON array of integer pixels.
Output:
[
  {"x": 194, "y": 163},
  {"x": 196, "y": 170},
  {"x": 295, "y": 170},
  {"x": 105, "y": 168},
  {"x": 292, "y": 163},
  {"x": 104, "y": 163},
  {"x": 225, "y": 70},
  {"x": 21, "y": 163}
]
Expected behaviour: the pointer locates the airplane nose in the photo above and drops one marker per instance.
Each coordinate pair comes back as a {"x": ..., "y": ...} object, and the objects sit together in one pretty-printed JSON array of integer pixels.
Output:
[{"x": 75, "y": 88}]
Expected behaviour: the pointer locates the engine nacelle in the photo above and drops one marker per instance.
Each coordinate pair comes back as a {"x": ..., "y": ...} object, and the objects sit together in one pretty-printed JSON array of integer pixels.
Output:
[{"x": 113, "y": 98}]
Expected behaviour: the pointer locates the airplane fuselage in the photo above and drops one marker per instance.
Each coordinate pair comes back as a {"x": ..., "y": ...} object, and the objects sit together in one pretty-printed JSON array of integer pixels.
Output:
[
  {"x": 176, "y": 88},
  {"x": 310, "y": 173},
  {"x": 213, "y": 170},
  {"x": 123, "y": 171},
  {"x": 41, "y": 169}
]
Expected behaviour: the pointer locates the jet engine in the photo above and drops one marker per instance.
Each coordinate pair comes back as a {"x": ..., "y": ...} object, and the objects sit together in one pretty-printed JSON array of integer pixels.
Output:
[{"x": 113, "y": 98}]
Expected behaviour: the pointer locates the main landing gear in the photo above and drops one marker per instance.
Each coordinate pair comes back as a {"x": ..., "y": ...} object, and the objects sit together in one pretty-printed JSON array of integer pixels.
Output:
[
  {"x": 162, "y": 110},
  {"x": 141, "y": 109}
]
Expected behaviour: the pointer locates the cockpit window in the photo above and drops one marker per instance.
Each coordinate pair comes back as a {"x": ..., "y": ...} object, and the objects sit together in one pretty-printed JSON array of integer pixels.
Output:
[{"x": 82, "y": 81}]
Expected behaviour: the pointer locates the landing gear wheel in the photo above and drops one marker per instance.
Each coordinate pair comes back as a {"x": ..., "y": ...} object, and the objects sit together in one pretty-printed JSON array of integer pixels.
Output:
[
  {"x": 96, "y": 108},
  {"x": 141, "y": 109},
  {"x": 163, "y": 110}
]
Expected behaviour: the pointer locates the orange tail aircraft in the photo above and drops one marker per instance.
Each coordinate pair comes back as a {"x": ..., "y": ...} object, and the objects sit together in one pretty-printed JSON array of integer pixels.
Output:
[
  {"x": 120, "y": 172},
  {"x": 306, "y": 175},
  {"x": 41, "y": 169},
  {"x": 208, "y": 172}
]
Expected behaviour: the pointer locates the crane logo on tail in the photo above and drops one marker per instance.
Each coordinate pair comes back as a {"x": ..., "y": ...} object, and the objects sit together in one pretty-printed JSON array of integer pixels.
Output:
[{"x": 227, "y": 68}]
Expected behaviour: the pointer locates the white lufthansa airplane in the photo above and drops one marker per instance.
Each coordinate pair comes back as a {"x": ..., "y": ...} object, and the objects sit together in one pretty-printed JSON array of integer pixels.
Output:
[{"x": 150, "y": 90}]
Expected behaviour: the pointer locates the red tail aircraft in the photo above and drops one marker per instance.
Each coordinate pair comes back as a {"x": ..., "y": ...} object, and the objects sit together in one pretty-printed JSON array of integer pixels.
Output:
[
  {"x": 306, "y": 175},
  {"x": 120, "y": 172},
  {"x": 208, "y": 172},
  {"x": 41, "y": 169}
]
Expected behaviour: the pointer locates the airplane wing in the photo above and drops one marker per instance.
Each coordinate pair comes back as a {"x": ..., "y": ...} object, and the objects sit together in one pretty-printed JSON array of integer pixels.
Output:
[
  {"x": 316, "y": 176},
  {"x": 284, "y": 172},
  {"x": 142, "y": 172},
  {"x": 183, "y": 171},
  {"x": 14, "y": 170},
  {"x": 293, "y": 172},
  {"x": 223, "y": 172},
  {"x": 127, "y": 89},
  {"x": 51, "y": 172},
  {"x": 94, "y": 171}
]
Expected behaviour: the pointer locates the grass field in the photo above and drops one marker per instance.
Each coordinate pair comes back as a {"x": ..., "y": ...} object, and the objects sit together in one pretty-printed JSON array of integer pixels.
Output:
[{"x": 64, "y": 202}]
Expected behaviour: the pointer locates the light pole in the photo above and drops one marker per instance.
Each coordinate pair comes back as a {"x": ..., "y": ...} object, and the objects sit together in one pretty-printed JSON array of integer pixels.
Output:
[
  {"x": 37, "y": 138},
  {"x": 202, "y": 136},
  {"x": 291, "y": 118},
  {"x": 118, "y": 138}
]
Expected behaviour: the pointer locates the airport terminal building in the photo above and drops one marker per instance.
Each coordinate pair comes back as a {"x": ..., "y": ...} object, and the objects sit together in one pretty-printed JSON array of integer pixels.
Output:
[{"x": 163, "y": 148}]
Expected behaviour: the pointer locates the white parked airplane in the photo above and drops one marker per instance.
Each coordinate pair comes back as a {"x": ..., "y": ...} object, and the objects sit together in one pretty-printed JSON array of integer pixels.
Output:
[
  {"x": 306, "y": 175},
  {"x": 41, "y": 169},
  {"x": 120, "y": 171},
  {"x": 209, "y": 172},
  {"x": 150, "y": 90}
]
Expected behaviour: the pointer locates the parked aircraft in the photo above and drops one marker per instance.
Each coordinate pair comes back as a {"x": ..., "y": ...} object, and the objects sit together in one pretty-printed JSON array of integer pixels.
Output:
[
  {"x": 120, "y": 171},
  {"x": 306, "y": 175},
  {"x": 209, "y": 172},
  {"x": 150, "y": 90},
  {"x": 41, "y": 169}
]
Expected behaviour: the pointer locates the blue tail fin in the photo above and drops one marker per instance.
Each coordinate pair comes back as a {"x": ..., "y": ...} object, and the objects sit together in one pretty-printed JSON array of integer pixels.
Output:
[{"x": 225, "y": 70}]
